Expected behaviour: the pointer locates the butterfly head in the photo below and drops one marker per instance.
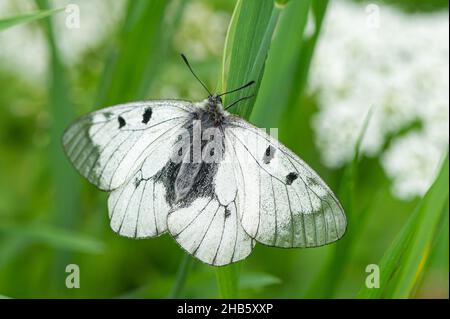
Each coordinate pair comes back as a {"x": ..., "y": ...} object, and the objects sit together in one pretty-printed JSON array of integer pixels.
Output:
[
  {"x": 214, "y": 101},
  {"x": 213, "y": 106}
]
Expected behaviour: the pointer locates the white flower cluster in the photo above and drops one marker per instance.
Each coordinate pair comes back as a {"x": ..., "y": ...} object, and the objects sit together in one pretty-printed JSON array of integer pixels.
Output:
[{"x": 397, "y": 64}]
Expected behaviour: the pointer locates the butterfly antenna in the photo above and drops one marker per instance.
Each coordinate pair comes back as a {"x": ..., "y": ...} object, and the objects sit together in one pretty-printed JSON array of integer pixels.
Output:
[
  {"x": 239, "y": 88},
  {"x": 193, "y": 73},
  {"x": 241, "y": 99}
]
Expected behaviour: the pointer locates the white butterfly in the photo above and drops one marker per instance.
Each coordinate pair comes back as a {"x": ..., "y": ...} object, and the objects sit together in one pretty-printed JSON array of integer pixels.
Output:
[{"x": 215, "y": 182}]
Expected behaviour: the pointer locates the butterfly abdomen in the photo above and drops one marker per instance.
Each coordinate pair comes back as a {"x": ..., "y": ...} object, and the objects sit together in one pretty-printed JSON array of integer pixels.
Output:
[{"x": 192, "y": 175}]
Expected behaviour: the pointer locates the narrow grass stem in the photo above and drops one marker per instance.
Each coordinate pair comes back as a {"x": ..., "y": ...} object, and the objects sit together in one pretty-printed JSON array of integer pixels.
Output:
[
  {"x": 182, "y": 273},
  {"x": 228, "y": 281}
]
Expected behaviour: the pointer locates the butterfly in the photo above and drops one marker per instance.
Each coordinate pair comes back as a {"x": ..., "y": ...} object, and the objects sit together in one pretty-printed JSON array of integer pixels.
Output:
[{"x": 214, "y": 182}]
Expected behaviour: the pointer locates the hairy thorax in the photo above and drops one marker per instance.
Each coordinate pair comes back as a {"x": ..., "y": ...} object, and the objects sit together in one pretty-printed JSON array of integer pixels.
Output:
[{"x": 198, "y": 156}]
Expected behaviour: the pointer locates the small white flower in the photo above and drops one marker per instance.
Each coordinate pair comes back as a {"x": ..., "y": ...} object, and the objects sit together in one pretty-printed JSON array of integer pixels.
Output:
[{"x": 412, "y": 162}]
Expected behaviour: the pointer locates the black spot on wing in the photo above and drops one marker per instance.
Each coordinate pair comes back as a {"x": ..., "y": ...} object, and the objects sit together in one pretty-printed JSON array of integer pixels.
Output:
[
  {"x": 227, "y": 212},
  {"x": 268, "y": 154},
  {"x": 147, "y": 115},
  {"x": 121, "y": 121},
  {"x": 291, "y": 177}
]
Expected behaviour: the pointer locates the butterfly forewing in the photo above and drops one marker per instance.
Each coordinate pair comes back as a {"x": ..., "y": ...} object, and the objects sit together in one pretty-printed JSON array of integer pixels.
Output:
[
  {"x": 108, "y": 145},
  {"x": 284, "y": 202}
]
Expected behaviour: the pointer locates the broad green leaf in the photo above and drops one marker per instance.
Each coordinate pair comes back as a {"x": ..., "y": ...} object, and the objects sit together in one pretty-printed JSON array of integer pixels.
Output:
[
  {"x": 430, "y": 214},
  {"x": 247, "y": 43},
  {"x": 403, "y": 264},
  {"x": 282, "y": 63},
  {"x": 246, "y": 46},
  {"x": 289, "y": 61},
  {"x": 281, "y": 2},
  {"x": 9, "y": 22}
]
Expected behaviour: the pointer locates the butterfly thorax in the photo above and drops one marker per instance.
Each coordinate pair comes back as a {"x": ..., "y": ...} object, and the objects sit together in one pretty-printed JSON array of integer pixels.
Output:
[
  {"x": 192, "y": 177},
  {"x": 213, "y": 106}
]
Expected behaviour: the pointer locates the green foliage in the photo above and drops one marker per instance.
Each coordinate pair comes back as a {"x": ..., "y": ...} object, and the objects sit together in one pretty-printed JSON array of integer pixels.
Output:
[
  {"x": 282, "y": 62},
  {"x": 332, "y": 272},
  {"x": 139, "y": 50},
  {"x": 228, "y": 280},
  {"x": 66, "y": 184},
  {"x": 257, "y": 280},
  {"x": 53, "y": 236},
  {"x": 403, "y": 264},
  {"x": 246, "y": 46},
  {"x": 50, "y": 217},
  {"x": 9, "y": 22},
  {"x": 180, "y": 279}
]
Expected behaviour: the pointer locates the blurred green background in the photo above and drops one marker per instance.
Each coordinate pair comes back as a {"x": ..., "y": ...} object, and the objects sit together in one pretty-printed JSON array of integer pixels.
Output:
[{"x": 51, "y": 72}]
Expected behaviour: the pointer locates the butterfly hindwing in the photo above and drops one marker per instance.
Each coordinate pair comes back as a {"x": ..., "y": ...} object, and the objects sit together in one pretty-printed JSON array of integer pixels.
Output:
[
  {"x": 209, "y": 228},
  {"x": 108, "y": 145},
  {"x": 139, "y": 207},
  {"x": 284, "y": 202}
]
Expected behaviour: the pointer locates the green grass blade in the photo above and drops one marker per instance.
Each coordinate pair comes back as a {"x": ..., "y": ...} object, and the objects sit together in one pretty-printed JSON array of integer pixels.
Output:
[
  {"x": 139, "y": 50},
  {"x": 182, "y": 273},
  {"x": 9, "y": 250},
  {"x": 333, "y": 272},
  {"x": 66, "y": 182},
  {"x": 246, "y": 46},
  {"x": 9, "y": 22},
  {"x": 282, "y": 62},
  {"x": 55, "y": 237},
  {"x": 134, "y": 62},
  {"x": 228, "y": 281},
  {"x": 288, "y": 62},
  {"x": 431, "y": 213},
  {"x": 404, "y": 262},
  {"x": 319, "y": 8},
  {"x": 390, "y": 262}
]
